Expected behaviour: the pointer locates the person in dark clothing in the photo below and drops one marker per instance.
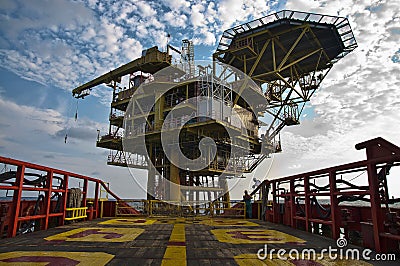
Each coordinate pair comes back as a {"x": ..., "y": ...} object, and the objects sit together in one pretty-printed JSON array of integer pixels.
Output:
[{"x": 247, "y": 203}]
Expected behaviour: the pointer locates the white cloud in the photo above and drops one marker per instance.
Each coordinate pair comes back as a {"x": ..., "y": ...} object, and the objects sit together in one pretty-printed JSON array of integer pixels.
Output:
[
  {"x": 197, "y": 17},
  {"x": 206, "y": 37},
  {"x": 175, "y": 19},
  {"x": 66, "y": 44},
  {"x": 177, "y": 5},
  {"x": 145, "y": 9}
]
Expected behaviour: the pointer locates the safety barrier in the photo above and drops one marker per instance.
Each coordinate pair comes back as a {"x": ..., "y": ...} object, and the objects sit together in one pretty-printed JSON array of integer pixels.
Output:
[
  {"x": 75, "y": 213},
  {"x": 22, "y": 213},
  {"x": 131, "y": 207},
  {"x": 310, "y": 201},
  {"x": 232, "y": 209}
]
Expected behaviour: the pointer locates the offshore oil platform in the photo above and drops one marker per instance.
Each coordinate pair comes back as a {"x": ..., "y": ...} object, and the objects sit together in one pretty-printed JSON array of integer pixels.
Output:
[
  {"x": 194, "y": 125},
  {"x": 282, "y": 60}
]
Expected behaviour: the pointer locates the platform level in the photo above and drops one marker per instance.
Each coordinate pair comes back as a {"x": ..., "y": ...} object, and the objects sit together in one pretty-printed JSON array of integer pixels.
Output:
[{"x": 163, "y": 241}]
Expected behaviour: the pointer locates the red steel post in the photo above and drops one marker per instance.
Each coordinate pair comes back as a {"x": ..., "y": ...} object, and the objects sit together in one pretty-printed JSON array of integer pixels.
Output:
[
  {"x": 65, "y": 193},
  {"x": 376, "y": 211},
  {"x": 49, "y": 187},
  {"x": 292, "y": 204},
  {"x": 96, "y": 200},
  {"x": 19, "y": 182},
  {"x": 275, "y": 204},
  {"x": 307, "y": 206},
  {"x": 85, "y": 189},
  {"x": 334, "y": 205}
]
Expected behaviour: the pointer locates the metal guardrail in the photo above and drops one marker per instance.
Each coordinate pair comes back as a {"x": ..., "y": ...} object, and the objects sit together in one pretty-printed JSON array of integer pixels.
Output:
[
  {"x": 195, "y": 208},
  {"x": 131, "y": 207},
  {"x": 342, "y": 25},
  {"x": 52, "y": 182}
]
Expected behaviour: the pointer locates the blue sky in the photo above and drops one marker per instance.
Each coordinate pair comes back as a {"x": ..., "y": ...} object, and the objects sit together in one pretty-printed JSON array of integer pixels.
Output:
[{"x": 49, "y": 47}]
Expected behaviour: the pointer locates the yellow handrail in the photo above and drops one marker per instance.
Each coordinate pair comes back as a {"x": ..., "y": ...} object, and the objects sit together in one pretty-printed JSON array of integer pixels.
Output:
[{"x": 76, "y": 213}]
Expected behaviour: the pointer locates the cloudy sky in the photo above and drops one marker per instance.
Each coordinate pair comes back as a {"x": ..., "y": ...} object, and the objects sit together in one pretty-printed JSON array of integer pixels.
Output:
[{"x": 49, "y": 47}]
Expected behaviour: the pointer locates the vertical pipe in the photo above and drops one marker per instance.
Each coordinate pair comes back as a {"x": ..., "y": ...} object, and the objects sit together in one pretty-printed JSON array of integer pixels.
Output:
[
  {"x": 275, "y": 204},
  {"x": 85, "y": 189},
  {"x": 292, "y": 204},
  {"x": 96, "y": 200},
  {"x": 376, "y": 211},
  {"x": 19, "y": 181},
  {"x": 264, "y": 195},
  {"x": 65, "y": 196},
  {"x": 334, "y": 205},
  {"x": 307, "y": 202},
  {"x": 49, "y": 187},
  {"x": 197, "y": 193}
]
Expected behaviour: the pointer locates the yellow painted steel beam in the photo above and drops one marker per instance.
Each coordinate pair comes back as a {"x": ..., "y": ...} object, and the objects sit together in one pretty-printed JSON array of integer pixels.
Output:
[
  {"x": 273, "y": 54},
  {"x": 253, "y": 68},
  {"x": 300, "y": 59},
  {"x": 288, "y": 84}
]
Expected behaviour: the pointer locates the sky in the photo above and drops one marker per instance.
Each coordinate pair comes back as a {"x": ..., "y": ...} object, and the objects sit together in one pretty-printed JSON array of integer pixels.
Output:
[{"x": 47, "y": 48}]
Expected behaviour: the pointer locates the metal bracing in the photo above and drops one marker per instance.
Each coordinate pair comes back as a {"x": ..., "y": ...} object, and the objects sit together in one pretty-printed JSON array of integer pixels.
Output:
[
  {"x": 127, "y": 159},
  {"x": 291, "y": 61},
  {"x": 188, "y": 57}
]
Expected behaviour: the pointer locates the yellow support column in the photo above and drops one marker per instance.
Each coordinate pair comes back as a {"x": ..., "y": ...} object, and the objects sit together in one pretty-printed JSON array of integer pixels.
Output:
[{"x": 159, "y": 112}]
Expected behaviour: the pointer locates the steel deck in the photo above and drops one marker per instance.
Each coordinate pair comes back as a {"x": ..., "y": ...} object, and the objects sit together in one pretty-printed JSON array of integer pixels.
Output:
[{"x": 163, "y": 241}]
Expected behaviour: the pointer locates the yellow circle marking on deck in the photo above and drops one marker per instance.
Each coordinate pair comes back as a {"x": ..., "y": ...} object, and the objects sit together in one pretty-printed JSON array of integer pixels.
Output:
[
  {"x": 122, "y": 221},
  {"x": 253, "y": 236},
  {"x": 252, "y": 260},
  {"x": 228, "y": 222},
  {"x": 111, "y": 234},
  {"x": 39, "y": 258}
]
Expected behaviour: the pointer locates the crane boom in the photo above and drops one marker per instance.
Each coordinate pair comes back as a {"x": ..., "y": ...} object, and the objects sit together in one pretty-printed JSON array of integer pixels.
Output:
[{"x": 151, "y": 61}]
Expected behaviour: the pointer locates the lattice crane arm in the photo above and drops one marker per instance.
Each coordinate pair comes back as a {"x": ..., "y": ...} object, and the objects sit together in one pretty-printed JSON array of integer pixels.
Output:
[{"x": 151, "y": 61}]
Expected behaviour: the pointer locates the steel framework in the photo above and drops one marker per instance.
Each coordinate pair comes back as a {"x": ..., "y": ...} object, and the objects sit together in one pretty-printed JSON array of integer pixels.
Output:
[
  {"x": 290, "y": 53},
  {"x": 287, "y": 54}
]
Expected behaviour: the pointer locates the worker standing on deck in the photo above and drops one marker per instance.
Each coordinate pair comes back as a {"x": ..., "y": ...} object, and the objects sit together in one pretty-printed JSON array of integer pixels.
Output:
[{"x": 247, "y": 203}]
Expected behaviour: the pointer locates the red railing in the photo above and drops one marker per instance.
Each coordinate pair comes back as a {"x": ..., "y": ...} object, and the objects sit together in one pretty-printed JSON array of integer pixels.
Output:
[
  {"x": 12, "y": 212},
  {"x": 295, "y": 199}
]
